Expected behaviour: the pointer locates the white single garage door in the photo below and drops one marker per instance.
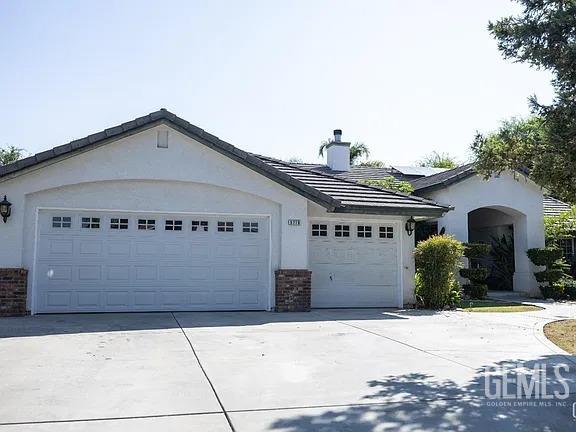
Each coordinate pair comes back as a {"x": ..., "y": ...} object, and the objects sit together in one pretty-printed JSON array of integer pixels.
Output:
[
  {"x": 354, "y": 264},
  {"x": 119, "y": 261}
]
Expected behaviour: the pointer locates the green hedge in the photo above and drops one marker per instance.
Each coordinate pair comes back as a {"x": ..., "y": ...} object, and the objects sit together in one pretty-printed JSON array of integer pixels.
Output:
[
  {"x": 478, "y": 275},
  {"x": 544, "y": 256},
  {"x": 475, "y": 291},
  {"x": 437, "y": 260}
]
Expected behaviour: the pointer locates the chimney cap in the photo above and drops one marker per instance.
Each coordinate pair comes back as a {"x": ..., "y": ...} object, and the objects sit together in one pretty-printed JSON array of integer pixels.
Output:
[{"x": 337, "y": 131}]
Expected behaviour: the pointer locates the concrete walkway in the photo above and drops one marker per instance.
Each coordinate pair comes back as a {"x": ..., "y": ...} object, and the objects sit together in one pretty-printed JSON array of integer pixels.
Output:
[{"x": 327, "y": 370}]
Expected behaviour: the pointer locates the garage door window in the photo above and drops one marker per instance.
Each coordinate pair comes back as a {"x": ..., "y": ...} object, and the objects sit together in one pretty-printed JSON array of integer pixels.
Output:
[
  {"x": 250, "y": 227},
  {"x": 61, "y": 222},
  {"x": 386, "y": 232},
  {"x": 342, "y": 231},
  {"x": 364, "y": 231},
  {"x": 91, "y": 222},
  {"x": 319, "y": 230},
  {"x": 147, "y": 224},
  {"x": 225, "y": 226},
  {"x": 173, "y": 225},
  {"x": 118, "y": 224},
  {"x": 199, "y": 225}
]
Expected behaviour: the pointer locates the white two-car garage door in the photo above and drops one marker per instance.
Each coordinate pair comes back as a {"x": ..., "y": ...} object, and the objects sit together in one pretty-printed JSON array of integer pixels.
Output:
[
  {"x": 354, "y": 264},
  {"x": 94, "y": 261}
]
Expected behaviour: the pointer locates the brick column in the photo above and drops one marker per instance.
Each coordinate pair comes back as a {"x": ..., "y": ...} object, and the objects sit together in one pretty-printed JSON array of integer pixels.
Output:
[
  {"x": 13, "y": 288},
  {"x": 293, "y": 290}
]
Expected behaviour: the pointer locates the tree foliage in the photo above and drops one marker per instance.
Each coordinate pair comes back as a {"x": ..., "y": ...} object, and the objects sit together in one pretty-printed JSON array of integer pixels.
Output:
[
  {"x": 391, "y": 183},
  {"x": 559, "y": 227},
  {"x": 438, "y": 160},
  {"x": 371, "y": 164},
  {"x": 10, "y": 154},
  {"x": 543, "y": 36}
]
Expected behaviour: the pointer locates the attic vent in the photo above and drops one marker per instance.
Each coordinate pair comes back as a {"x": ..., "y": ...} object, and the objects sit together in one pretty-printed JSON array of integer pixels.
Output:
[{"x": 162, "y": 139}]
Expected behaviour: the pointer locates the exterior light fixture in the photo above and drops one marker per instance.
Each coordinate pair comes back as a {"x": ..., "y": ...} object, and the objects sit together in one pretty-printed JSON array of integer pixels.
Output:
[
  {"x": 410, "y": 225},
  {"x": 5, "y": 209}
]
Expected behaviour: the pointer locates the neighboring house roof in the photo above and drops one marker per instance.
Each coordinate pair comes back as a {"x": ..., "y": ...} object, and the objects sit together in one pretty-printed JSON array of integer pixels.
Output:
[
  {"x": 359, "y": 173},
  {"x": 443, "y": 179},
  {"x": 419, "y": 171},
  {"x": 314, "y": 186},
  {"x": 356, "y": 197},
  {"x": 554, "y": 207}
]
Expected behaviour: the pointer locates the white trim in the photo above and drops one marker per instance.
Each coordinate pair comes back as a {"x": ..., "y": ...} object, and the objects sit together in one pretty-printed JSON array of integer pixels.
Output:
[
  {"x": 162, "y": 212},
  {"x": 35, "y": 257}
]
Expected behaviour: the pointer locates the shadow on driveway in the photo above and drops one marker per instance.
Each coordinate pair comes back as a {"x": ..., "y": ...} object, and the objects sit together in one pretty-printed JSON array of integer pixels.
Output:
[{"x": 55, "y": 324}]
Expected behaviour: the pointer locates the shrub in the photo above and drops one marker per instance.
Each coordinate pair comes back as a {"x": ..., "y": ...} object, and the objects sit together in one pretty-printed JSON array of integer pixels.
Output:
[
  {"x": 475, "y": 291},
  {"x": 544, "y": 256},
  {"x": 477, "y": 288},
  {"x": 556, "y": 284},
  {"x": 570, "y": 289},
  {"x": 476, "y": 250},
  {"x": 437, "y": 260}
]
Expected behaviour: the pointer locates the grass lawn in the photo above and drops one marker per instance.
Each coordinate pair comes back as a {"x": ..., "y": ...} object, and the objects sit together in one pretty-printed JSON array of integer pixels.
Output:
[
  {"x": 495, "y": 306},
  {"x": 563, "y": 334}
]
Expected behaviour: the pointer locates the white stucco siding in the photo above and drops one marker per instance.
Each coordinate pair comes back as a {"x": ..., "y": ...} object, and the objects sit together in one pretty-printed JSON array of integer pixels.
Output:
[
  {"x": 133, "y": 174},
  {"x": 405, "y": 242},
  {"x": 514, "y": 195}
]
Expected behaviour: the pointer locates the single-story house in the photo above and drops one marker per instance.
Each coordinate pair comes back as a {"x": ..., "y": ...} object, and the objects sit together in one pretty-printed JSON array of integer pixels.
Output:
[{"x": 157, "y": 214}]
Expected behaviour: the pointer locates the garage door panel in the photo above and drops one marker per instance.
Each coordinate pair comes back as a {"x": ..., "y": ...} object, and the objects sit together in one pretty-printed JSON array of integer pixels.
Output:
[
  {"x": 354, "y": 271},
  {"x": 104, "y": 270}
]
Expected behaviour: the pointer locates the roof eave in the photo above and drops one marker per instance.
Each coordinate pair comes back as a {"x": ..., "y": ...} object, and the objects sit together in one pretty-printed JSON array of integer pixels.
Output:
[{"x": 394, "y": 211}]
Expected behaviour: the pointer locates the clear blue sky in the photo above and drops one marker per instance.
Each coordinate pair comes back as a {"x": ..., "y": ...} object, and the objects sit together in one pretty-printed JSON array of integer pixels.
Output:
[{"x": 273, "y": 77}]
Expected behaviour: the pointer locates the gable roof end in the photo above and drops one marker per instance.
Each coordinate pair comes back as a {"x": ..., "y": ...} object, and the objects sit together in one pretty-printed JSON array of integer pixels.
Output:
[{"x": 355, "y": 199}]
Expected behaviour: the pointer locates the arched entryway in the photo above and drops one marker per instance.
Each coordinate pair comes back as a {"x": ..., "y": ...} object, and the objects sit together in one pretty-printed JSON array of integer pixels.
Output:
[{"x": 505, "y": 229}]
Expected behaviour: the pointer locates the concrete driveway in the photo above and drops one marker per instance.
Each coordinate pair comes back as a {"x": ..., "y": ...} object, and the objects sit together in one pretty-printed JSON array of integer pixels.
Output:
[{"x": 327, "y": 370}]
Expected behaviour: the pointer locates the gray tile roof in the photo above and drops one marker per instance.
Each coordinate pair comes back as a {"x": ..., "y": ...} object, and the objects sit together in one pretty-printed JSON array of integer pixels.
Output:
[
  {"x": 356, "y": 197},
  {"x": 553, "y": 206},
  {"x": 358, "y": 173},
  {"x": 335, "y": 194},
  {"x": 443, "y": 179}
]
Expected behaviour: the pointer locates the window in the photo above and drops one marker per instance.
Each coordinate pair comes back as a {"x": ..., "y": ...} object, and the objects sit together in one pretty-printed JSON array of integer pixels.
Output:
[
  {"x": 225, "y": 226},
  {"x": 147, "y": 224},
  {"x": 364, "y": 231},
  {"x": 319, "y": 230},
  {"x": 61, "y": 222},
  {"x": 567, "y": 246},
  {"x": 173, "y": 225},
  {"x": 118, "y": 224},
  {"x": 250, "y": 227},
  {"x": 386, "y": 232},
  {"x": 342, "y": 231},
  {"x": 91, "y": 222},
  {"x": 199, "y": 225}
]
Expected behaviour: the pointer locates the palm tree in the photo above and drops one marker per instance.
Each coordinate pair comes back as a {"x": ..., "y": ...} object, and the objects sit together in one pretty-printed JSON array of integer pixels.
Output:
[{"x": 357, "y": 150}]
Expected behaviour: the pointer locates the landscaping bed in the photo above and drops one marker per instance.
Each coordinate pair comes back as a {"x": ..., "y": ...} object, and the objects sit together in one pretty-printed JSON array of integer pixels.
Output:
[
  {"x": 496, "y": 306},
  {"x": 563, "y": 334}
]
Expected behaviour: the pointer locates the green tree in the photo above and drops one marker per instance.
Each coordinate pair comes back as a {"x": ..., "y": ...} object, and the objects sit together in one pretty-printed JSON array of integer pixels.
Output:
[
  {"x": 391, "y": 183},
  {"x": 357, "y": 151},
  {"x": 372, "y": 164},
  {"x": 10, "y": 154},
  {"x": 543, "y": 36},
  {"x": 438, "y": 160},
  {"x": 559, "y": 227}
]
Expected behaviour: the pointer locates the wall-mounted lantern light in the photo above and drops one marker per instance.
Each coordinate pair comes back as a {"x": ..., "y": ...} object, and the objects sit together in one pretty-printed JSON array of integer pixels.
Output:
[
  {"x": 410, "y": 225},
  {"x": 5, "y": 209}
]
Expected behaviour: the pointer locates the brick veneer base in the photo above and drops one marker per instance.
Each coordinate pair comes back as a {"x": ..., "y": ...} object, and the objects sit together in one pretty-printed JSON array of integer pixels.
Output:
[
  {"x": 13, "y": 287},
  {"x": 293, "y": 290}
]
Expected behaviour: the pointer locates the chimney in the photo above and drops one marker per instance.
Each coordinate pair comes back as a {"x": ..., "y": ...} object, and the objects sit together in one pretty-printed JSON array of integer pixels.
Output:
[{"x": 338, "y": 153}]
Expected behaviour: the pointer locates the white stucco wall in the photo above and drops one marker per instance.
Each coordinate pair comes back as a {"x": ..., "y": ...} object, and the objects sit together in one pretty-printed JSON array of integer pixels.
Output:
[
  {"x": 133, "y": 174},
  {"x": 514, "y": 195}
]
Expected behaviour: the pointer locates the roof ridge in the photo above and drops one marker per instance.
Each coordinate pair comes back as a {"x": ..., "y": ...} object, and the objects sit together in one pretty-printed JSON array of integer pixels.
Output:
[{"x": 350, "y": 181}]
